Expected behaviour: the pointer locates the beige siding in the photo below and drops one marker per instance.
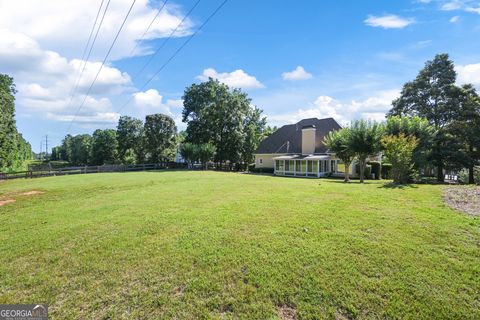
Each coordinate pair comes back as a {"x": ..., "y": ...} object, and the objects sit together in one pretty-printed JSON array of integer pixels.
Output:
[
  {"x": 308, "y": 141},
  {"x": 265, "y": 160}
]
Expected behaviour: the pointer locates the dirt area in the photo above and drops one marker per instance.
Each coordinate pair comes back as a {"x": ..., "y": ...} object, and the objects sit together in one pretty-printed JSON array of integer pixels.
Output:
[
  {"x": 287, "y": 313},
  {"x": 4, "y": 202},
  {"x": 5, "y": 199},
  {"x": 31, "y": 193},
  {"x": 463, "y": 198}
]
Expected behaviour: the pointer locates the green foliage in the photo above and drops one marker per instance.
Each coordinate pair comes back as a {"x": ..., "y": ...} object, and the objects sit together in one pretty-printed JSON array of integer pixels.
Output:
[
  {"x": 223, "y": 117},
  {"x": 364, "y": 140},
  {"x": 130, "y": 140},
  {"x": 433, "y": 96},
  {"x": 104, "y": 147},
  {"x": 338, "y": 142},
  {"x": 399, "y": 150},
  {"x": 14, "y": 149},
  {"x": 465, "y": 131},
  {"x": 416, "y": 127},
  {"x": 78, "y": 148},
  {"x": 160, "y": 137},
  {"x": 386, "y": 170},
  {"x": 464, "y": 175},
  {"x": 204, "y": 152}
]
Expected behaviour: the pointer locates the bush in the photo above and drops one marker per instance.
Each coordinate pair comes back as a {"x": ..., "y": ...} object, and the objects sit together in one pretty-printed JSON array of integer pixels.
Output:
[
  {"x": 375, "y": 168},
  {"x": 368, "y": 170},
  {"x": 261, "y": 170},
  {"x": 463, "y": 175},
  {"x": 386, "y": 170}
]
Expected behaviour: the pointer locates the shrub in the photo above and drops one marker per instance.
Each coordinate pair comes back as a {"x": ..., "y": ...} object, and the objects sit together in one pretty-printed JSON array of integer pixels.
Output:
[
  {"x": 368, "y": 170},
  {"x": 463, "y": 175},
  {"x": 262, "y": 170},
  {"x": 386, "y": 170},
  {"x": 375, "y": 168}
]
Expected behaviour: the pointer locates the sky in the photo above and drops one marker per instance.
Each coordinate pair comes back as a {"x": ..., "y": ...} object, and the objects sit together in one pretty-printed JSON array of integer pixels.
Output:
[{"x": 295, "y": 59}]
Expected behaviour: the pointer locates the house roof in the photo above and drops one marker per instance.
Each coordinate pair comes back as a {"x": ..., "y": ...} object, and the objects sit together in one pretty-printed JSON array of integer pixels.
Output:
[{"x": 290, "y": 136}]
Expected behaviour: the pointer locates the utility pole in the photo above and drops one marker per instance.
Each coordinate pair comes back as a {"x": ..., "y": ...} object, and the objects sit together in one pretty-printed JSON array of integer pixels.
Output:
[{"x": 46, "y": 147}]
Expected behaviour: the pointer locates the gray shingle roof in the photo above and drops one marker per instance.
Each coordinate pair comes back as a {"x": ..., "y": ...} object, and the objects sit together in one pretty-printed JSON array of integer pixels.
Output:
[{"x": 277, "y": 141}]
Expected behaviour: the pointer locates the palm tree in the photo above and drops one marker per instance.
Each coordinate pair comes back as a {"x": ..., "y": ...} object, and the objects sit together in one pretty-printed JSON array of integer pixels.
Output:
[
  {"x": 337, "y": 142},
  {"x": 364, "y": 140}
]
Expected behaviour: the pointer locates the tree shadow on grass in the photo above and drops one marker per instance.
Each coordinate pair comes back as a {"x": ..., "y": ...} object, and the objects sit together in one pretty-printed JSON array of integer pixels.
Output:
[{"x": 391, "y": 185}]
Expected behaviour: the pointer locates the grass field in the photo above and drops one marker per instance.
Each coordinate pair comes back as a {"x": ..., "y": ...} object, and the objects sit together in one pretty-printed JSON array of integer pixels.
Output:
[{"x": 193, "y": 245}]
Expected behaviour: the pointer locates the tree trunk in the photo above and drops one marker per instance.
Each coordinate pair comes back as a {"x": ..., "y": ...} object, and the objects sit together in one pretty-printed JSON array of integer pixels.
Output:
[
  {"x": 347, "y": 169},
  {"x": 471, "y": 178},
  {"x": 362, "y": 170},
  {"x": 440, "y": 175}
]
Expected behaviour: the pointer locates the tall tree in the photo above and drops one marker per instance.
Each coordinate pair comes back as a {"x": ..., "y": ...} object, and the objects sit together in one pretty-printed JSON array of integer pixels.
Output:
[
  {"x": 338, "y": 142},
  {"x": 160, "y": 136},
  {"x": 466, "y": 130},
  {"x": 255, "y": 126},
  {"x": 8, "y": 129},
  {"x": 79, "y": 149},
  {"x": 130, "y": 139},
  {"x": 104, "y": 147},
  {"x": 364, "y": 140},
  {"x": 220, "y": 116},
  {"x": 432, "y": 95}
]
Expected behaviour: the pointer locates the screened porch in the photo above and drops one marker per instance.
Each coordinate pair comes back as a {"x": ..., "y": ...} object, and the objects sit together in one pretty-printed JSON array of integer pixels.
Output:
[{"x": 307, "y": 166}]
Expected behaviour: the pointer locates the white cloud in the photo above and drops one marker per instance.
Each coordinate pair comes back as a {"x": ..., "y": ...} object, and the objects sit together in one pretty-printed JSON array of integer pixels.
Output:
[
  {"x": 373, "y": 108},
  {"x": 100, "y": 118},
  {"x": 151, "y": 101},
  {"x": 234, "y": 79},
  {"x": 469, "y": 73},
  {"x": 473, "y": 10},
  {"x": 45, "y": 80},
  {"x": 298, "y": 74},
  {"x": 454, "y": 19},
  {"x": 64, "y": 26},
  {"x": 451, "y": 5},
  {"x": 389, "y": 21}
]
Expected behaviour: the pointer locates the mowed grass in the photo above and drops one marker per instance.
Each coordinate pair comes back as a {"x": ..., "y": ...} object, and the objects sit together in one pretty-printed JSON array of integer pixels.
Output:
[{"x": 200, "y": 245}]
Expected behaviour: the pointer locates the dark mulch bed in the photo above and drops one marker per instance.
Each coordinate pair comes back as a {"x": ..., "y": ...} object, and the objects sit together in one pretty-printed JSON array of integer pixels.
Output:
[{"x": 463, "y": 198}]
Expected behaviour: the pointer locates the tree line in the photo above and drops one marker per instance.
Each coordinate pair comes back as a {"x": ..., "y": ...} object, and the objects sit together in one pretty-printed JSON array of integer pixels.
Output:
[
  {"x": 133, "y": 141},
  {"x": 14, "y": 149},
  {"x": 434, "y": 124},
  {"x": 222, "y": 126}
]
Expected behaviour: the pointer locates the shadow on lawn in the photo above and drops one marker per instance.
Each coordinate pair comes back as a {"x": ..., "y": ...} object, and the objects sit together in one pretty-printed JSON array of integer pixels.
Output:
[{"x": 391, "y": 185}]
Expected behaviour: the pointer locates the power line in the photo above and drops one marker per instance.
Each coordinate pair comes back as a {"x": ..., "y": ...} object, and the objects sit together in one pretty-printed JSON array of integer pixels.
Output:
[
  {"x": 148, "y": 28},
  {"x": 176, "y": 52},
  {"x": 85, "y": 60},
  {"x": 103, "y": 63},
  {"x": 166, "y": 40}
]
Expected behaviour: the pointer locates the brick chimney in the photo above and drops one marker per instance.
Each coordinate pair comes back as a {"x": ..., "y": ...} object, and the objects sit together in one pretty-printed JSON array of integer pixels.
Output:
[{"x": 308, "y": 139}]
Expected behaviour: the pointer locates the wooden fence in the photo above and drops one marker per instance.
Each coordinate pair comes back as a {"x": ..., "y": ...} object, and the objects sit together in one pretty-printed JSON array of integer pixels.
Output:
[{"x": 90, "y": 169}]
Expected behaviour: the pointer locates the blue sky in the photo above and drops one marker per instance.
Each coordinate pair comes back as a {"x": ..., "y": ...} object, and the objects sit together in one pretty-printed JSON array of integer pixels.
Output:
[{"x": 345, "y": 59}]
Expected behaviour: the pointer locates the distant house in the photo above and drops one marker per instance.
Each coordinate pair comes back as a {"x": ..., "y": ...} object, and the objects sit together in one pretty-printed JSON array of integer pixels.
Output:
[{"x": 298, "y": 149}]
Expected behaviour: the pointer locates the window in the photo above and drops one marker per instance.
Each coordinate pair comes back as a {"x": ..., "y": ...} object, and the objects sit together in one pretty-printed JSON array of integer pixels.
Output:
[
  {"x": 332, "y": 165},
  {"x": 261, "y": 160},
  {"x": 301, "y": 166},
  {"x": 279, "y": 165},
  {"x": 314, "y": 166},
  {"x": 287, "y": 165}
]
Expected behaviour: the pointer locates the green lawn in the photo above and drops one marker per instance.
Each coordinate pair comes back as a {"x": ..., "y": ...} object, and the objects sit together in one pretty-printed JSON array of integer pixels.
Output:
[{"x": 193, "y": 245}]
